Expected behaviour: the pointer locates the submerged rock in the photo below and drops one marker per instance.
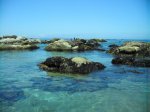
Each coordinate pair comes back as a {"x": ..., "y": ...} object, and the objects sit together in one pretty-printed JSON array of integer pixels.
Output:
[
  {"x": 73, "y": 45},
  {"x": 70, "y": 65},
  {"x": 139, "y": 62}
]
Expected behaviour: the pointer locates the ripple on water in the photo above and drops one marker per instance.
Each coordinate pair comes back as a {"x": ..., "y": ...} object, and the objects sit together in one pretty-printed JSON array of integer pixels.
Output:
[
  {"x": 11, "y": 94},
  {"x": 70, "y": 85}
]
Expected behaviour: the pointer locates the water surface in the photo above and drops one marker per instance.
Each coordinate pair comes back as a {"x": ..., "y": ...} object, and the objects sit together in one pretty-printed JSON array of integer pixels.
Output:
[{"x": 26, "y": 88}]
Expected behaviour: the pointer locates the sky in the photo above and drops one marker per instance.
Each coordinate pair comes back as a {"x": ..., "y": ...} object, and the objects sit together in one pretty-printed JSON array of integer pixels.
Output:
[{"x": 118, "y": 19}]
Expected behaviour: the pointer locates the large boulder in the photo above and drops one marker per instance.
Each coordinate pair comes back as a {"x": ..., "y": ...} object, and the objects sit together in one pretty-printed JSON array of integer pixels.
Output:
[
  {"x": 139, "y": 62},
  {"x": 132, "y": 48},
  {"x": 76, "y": 65}
]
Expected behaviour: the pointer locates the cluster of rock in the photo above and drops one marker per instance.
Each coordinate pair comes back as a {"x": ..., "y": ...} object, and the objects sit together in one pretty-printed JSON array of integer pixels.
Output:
[
  {"x": 75, "y": 45},
  {"x": 70, "y": 65},
  {"x": 132, "y": 53},
  {"x": 18, "y": 43}
]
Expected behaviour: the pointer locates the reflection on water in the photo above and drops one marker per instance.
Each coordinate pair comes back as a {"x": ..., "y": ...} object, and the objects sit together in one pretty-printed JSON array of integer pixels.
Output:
[{"x": 26, "y": 88}]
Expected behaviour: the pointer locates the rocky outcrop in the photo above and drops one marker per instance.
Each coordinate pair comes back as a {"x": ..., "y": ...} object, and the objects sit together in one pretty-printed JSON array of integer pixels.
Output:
[
  {"x": 17, "y": 43},
  {"x": 76, "y": 65},
  {"x": 17, "y": 47},
  {"x": 132, "y": 53},
  {"x": 132, "y": 48},
  {"x": 74, "y": 45},
  {"x": 18, "y": 40},
  {"x": 139, "y": 62}
]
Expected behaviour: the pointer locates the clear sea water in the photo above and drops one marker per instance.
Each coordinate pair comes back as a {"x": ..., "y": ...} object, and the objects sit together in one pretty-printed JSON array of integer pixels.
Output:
[{"x": 26, "y": 88}]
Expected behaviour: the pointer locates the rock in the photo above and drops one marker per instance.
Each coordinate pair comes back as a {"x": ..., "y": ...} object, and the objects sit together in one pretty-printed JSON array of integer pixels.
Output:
[
  {"x": 18, "y": 39},
  {"x": 18, "y": 43},
  {"x": 79, "y": 61},
  {"x": 76, "y": 65},
  {"x": 139, "y": 62},
  {"x": 54, "y": 39},
  {"x": 49, "y": 41},
  {"x": 128, "y": 49},
  {"x": 75, "y": 48},
  {"x": 132, "y": 48},
  {"x": 98, "y": 40},
  {"x": 60, "y": 45},
  {"x": 17, "y": 47},
  {"x": 73, "y": 45}
]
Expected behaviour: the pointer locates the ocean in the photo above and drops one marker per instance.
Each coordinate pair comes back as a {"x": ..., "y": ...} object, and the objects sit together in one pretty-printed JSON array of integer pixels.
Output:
[{"x": 26, "y": 88}]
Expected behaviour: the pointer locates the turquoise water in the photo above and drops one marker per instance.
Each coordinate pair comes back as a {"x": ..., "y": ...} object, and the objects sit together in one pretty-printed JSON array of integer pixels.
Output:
[{"x": 25, "y": 88}]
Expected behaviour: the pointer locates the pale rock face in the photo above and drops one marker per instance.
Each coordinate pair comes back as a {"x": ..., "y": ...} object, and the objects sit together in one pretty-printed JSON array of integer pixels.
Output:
[
  {"x": 60, "y": 44},
  {"x": 75, "y": 48},
  {"x": 16, "y": 47},
  {"x": 80, "y": 60},
  {"x": 129, "y": 49},
  {"x": 20, "y": 37},
  {"x": 7, "y": 40},
  {"x": 138, "y": 44}
]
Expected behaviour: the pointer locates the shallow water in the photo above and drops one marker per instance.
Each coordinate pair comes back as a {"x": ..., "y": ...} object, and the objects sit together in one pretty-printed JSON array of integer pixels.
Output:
[{"x": 25, "y": 88}]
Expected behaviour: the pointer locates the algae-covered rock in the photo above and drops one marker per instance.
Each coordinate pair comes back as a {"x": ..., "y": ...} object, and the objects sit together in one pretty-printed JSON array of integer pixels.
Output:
[{"x": 76, "y": 65}]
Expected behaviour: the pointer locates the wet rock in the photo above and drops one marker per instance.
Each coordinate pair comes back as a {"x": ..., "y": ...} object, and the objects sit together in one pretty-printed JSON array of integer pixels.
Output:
[
  {"x": 70, "y": 65},
  {"x": 139, "y": 62}
]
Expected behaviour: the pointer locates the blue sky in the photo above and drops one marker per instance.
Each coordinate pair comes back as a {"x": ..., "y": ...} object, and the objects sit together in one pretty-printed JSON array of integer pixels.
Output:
[{"x": 75, "y": 18}]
